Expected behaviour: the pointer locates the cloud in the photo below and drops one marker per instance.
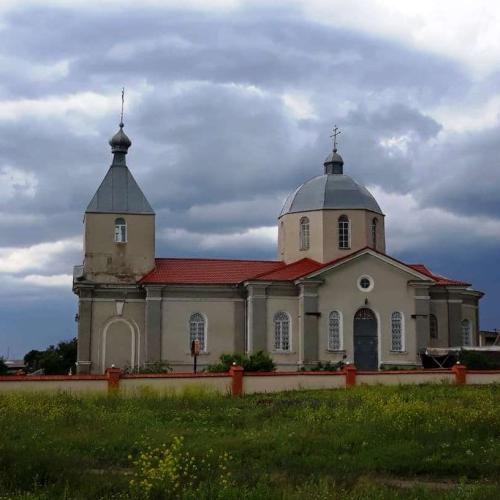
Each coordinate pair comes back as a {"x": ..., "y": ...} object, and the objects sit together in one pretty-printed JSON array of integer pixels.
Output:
[
  {"x": 56, "y": 280},
  {"x": 254, "y": 239},
  {"x": 16, "y": 182},
  {"x": 413, "y": 227},
  {"x": 42, "y": 256}
]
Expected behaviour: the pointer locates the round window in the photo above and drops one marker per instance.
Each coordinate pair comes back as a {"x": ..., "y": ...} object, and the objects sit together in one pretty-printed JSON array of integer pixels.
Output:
[{"x": 365, "y": 283}]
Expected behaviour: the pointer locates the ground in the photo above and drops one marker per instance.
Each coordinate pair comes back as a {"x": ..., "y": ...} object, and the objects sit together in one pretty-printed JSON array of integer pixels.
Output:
[{"x": 365, "y": 442}]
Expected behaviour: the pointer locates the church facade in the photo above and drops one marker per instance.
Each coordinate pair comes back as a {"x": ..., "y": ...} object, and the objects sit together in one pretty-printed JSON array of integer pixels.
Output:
[{"x": 332, "y": 294}]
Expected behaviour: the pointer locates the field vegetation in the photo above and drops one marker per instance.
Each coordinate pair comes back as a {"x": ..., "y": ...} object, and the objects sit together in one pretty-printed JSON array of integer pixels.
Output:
[{"x": 366, "y": 442}]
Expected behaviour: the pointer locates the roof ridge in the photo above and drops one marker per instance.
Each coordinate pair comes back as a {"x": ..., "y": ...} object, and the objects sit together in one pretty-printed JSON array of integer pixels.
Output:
[{"x": 218, "y": 259}]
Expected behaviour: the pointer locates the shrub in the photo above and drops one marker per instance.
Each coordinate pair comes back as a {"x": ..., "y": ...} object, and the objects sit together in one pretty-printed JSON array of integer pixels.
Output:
[
  {"x": 329, "y": 366},
  {"x": 171, "y": 472},
  {"x": 258, "y": 362},
  {"x": 476, "y": 360},
  {"x": 156, "y": 367},
  {"x": 3, "y": 367}
]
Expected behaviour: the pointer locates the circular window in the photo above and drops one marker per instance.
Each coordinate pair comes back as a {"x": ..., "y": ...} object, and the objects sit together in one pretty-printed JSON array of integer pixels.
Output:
[{"x": 365, "y": 283}]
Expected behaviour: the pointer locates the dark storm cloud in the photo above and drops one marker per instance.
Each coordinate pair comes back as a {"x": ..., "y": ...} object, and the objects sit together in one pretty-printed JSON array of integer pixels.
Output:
[{"x": 216, "y": 148}]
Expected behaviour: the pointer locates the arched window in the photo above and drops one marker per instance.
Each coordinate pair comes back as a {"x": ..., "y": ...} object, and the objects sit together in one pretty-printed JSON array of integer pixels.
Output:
[
  {"x": 334, "y": 331},
  {"x": 304, "y": 233},
  {"x": 397, "y": 334},
  {"x": 433, "y": 326},
  {"x": 281, "y": 331},
  {"x": 466, "y": 332},
  {"x": 374, "y": 232},
  {"x": 198, "y": 330},
  {"x": 120, "y": 230},
  {"x": 344, "y": 232}
]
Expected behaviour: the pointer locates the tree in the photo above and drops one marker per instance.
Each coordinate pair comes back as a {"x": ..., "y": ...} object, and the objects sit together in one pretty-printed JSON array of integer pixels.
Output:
[{"x": 55, "y": 360}]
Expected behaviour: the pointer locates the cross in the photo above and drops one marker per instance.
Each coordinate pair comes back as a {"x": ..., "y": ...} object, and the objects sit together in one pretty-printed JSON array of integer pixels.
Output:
[
  {"x": 123, "y": 100},
  {"x": 336, "y": 132}
]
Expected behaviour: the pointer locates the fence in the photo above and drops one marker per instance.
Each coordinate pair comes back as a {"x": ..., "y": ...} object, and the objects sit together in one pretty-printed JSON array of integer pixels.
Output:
[{"x": 237, "y": 382}]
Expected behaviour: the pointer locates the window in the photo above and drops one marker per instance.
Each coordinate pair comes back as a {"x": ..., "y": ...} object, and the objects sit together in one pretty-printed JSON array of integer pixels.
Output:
[
  {"x": 466, "y": 332},
  {"x": 397, "y": 332},
  {"x": 304, "y": 233},
  {"x": 374, "y": 233},
  {"x": 334, "y": 331},
  {"x": 433, "y": 326},
  {"x": 120, "y": 230},
  {"x": 197, "y": 330},
  {"x": 281, "y": 331},
  {"x": 343, "y": 232},
  {"x": 365, "y": 283}
]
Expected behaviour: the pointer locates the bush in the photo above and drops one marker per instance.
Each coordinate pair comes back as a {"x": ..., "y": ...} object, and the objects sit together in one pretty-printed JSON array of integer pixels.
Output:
[
  {"x": 328, "y": 366},
  {"x": 156, "y": 367},
  {"x": 258, "y": 362},
  {"x": 475, "y": 360},
  {"x": 3, "y": 367}
]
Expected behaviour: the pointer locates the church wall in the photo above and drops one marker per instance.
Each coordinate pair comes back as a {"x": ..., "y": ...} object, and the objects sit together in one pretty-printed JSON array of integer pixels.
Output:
[
  {"x": 369, "y": 216},
  {"x": 108, "y": 262},
  {"x": 290, "y": 305},
  {"x": 220, "y": 316},
  {"x": 105, "y": 318},
  {"x": 358, "y": 233},
  {"x": 439, "y": 308},
  {"x": 289, "y": 237},
  {"x": 390, "y": 293}
]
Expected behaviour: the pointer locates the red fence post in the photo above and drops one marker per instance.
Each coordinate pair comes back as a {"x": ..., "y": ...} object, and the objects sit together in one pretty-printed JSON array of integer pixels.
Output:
[
  {"x": 113, "y": 376},
  {"x": 350, "y": 375},
  {"x": 460, "y": 372},
  {"x": 236, "y": 372}
]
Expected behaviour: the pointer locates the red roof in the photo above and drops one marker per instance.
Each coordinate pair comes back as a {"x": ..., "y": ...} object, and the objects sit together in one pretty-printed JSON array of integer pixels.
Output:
[
  {"x": 232, "y": 272},
  {"x": 292, "y": 271},
  {"x": 208, "y": 271},
  {"x": 441, "y": 280}
]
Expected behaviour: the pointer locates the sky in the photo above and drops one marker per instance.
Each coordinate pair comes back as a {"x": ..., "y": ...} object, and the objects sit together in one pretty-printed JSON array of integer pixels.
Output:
[{"x": 229, "y": 106}]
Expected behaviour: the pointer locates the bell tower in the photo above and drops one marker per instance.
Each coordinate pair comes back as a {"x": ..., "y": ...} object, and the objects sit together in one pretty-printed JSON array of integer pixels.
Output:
[{"x": 119, "y": 240}]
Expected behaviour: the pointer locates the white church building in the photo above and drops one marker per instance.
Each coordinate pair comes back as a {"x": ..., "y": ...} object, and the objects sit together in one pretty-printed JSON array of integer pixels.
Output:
[{"x": 333, "y": 293}]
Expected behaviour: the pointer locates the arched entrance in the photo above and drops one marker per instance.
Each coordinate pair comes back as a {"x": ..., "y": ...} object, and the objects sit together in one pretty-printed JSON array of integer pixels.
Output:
[{"x": 365, "y": 340}]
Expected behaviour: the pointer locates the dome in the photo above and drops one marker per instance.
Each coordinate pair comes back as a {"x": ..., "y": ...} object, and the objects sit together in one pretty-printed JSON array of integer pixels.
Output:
[
  {"x": 120, "y": 142},
  {"x": 330, "y": 191}
]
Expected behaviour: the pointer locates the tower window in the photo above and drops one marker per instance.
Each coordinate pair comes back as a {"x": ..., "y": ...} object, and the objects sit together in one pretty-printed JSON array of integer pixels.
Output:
[
  {"x": 304, "y": 233},
  {"x": 198, "y": 330},
  {"x": 281, "y": 331},
  {"x": 374, "y": 232},
  {"x": 466, "y": 332},
  {"x": 120, "y": 230},
  {"x": 433, "y": 326},
  {"x": 397, "y": 340},
  {"x": 344, "y": 232}
]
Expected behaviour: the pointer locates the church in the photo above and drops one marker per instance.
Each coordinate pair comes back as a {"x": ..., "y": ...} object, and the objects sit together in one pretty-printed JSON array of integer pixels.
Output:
[{"x": 333, "y": 293}]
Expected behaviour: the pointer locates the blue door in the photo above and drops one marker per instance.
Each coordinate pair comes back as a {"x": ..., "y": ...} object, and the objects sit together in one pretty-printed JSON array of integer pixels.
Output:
[{"x": 365, "y": 340}]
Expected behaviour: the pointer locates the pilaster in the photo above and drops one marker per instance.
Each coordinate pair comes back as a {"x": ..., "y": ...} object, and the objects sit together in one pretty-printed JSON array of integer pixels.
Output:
[
  {"x": 85, "y": 306},
  {"x": 256, "y": 316},
  {"x": 422, "y": 312},
  {"x": 153, "y": 324},
  {"x": 308, "y": 322}
]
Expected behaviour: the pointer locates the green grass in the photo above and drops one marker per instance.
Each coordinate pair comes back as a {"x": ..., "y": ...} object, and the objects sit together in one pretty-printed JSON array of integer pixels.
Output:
[{"x": 444, "y": 441}]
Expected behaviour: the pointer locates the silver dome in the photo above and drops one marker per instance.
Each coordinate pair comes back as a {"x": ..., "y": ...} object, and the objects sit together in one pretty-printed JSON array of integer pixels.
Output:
[{"x": 330, "y": 191}]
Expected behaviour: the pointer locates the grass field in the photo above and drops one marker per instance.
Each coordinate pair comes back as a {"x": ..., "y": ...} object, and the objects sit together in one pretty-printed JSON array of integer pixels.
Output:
[{"x": 365, "y": 442}]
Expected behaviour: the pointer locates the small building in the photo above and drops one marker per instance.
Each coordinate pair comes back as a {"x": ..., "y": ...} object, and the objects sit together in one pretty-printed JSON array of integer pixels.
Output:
[
  {"x": 489, "y": 338},
  {"x": 333, "y": 293}
]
